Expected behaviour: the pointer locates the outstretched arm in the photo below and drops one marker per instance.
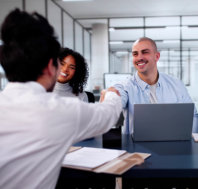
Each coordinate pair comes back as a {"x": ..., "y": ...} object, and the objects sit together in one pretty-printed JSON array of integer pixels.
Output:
[{"x": 103, "y": 93}]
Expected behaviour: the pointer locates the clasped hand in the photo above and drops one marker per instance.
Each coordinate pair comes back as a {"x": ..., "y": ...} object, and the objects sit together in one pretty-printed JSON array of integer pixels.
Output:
[{"x": 103, "y": 93}]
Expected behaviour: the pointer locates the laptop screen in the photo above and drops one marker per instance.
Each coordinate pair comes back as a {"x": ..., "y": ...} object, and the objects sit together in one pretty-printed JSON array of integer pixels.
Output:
[{"x": 163, "y": 122}]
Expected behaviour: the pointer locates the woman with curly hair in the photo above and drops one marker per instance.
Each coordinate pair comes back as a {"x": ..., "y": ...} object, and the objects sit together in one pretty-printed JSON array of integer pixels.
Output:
[{"x": 73, "y": 76}]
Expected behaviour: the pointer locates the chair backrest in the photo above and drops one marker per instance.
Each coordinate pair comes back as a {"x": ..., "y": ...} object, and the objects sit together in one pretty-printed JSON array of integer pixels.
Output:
[{"x": 90, "y": 96}]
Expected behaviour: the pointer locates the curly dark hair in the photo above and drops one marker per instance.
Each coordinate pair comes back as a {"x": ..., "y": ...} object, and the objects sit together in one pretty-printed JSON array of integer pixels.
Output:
[
  {"x": 81, "y": 75},
  {"x": 29, "y": 43}
]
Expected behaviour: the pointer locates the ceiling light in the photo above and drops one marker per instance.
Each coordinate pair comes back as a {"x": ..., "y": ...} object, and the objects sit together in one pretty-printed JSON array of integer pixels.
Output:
[
  {"x": 116, "y": 42},
  {"x": 171, "y": 41},
  {"x": 122, "y": 52},
  {"x": 111, "y": 29}
]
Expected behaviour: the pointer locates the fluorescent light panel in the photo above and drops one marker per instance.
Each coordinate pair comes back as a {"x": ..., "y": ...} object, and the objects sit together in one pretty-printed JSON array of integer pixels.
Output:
[
  {"x": 111, "y": 29},
  {"x": 116, "y": 42},
  {"x": 122, "y": 52},
  {"x": 171, "y": 41}
]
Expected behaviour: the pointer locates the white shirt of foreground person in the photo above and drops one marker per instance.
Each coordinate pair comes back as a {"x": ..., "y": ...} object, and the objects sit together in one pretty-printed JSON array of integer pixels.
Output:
[{"x": 37, "y": 128}]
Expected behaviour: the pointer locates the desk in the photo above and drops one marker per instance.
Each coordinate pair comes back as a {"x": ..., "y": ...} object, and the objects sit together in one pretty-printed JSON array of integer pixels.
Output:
[{"x": 175, "y": 164}]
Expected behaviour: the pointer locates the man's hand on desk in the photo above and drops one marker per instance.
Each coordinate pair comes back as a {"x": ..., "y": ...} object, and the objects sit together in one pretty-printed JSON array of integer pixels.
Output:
[{"x": 103, "y": 93}]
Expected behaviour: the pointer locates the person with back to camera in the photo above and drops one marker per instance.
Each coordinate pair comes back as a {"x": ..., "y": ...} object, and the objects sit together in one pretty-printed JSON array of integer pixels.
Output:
[
  {"x": 73, "y": 75},
  {"x": 38, "y": 126},
  {"x": 148, "y": 85}
]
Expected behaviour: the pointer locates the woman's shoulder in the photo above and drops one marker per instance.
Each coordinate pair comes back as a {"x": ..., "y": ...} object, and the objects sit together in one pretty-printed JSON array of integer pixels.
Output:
[{"x": 83, "y": 96}]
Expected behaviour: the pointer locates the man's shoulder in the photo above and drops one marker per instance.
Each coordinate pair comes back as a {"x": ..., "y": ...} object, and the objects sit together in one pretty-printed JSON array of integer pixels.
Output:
[
  {"x": 50, "y": 101},
  {"x": 165, "y": 77},
  {"x": 171, "y": 81}
]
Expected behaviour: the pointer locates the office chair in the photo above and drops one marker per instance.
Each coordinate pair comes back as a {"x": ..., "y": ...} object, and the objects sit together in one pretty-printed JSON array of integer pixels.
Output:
[
  {"x": 90, "y": 96},
  {"x": 91, "y": 99}
]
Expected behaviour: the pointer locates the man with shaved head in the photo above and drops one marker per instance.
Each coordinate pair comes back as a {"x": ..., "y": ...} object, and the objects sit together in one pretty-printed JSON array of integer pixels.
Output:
[{"x": 148, "y": 85}]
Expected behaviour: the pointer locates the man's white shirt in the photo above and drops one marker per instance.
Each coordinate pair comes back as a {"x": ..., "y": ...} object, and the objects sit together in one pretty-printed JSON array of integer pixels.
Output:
[{"x": 37, "y": 128}]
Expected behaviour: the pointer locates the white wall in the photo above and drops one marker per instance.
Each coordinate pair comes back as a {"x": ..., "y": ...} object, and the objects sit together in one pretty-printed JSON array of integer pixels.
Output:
[
  {"x": 68, "y": 34},
  {"x": 87, "y": 55},
  {"x": 78, "y": 38},
  {"x": 6, "y": 6},
  {"x": 54, "y": 18},
  {"x": 36, "y": 5}
]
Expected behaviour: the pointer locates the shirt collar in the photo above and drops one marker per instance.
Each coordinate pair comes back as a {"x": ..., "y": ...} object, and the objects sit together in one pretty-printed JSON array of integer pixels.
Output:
[
  {"x": 62, "y": 88},
  {"x": 159, "y": 80},
  {"x": 143, "y": 85}
]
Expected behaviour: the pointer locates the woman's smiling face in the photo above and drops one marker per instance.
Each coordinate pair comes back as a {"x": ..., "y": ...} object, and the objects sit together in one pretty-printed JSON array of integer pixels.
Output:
[{"x": 68, "y": 68}]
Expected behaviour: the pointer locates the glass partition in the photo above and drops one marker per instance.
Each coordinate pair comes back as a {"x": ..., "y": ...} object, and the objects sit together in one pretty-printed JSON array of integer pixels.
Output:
[
  {"x": 68, "y": 31},
  {"x": 78, "y": 38},
  {"x": 87, "y": 55},
  {"x": 5, "y": 7},
  {"x": 54, "y": 17},
  {"x": 3, "y": 80}
]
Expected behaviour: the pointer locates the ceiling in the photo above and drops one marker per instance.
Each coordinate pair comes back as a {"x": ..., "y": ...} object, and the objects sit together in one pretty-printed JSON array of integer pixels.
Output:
[
  {"x": 96, "y": 11},
  {"x": 128, "y": 8}
]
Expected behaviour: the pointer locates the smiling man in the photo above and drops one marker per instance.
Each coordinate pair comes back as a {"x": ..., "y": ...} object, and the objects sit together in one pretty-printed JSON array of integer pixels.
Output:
[
  {"x": 145, "y": 57},
  {"x": 148, "y": 85}
]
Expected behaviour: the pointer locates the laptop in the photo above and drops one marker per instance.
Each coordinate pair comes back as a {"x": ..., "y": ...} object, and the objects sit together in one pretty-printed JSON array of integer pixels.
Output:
[{"x": 163, "y": 122}]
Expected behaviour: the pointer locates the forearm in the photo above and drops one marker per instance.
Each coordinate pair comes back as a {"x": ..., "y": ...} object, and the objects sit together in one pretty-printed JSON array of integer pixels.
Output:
[{"x": 98, "y": 118}]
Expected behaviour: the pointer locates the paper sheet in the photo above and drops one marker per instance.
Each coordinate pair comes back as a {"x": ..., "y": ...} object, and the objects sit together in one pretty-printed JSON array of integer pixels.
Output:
[{"x": 91, "y": 157}]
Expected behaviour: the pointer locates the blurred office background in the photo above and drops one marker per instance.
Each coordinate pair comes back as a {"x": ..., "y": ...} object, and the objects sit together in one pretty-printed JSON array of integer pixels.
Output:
[{"x": 104, "y": 31}]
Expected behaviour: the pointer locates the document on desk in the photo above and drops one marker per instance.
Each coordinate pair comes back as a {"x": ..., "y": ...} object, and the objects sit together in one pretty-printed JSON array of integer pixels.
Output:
[
  {"x": 101, "y": 160},
  {"x": 91, "y": 157}
]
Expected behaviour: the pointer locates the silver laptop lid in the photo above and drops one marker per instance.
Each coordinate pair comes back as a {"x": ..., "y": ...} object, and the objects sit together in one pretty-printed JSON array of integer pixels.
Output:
[{"x": 163, "y": 122}]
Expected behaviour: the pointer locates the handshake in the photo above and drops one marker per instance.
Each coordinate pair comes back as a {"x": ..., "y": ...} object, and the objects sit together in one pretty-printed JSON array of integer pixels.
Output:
[{"x": 103, "y": 93}]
